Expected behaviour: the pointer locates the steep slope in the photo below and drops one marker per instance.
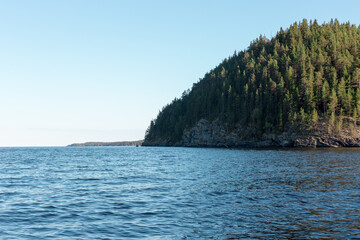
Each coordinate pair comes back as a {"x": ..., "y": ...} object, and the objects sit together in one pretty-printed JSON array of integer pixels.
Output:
[{"x": 301, "y": 88}]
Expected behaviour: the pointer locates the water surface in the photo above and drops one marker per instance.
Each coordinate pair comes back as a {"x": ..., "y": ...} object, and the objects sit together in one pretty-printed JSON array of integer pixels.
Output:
[{"x": 178, "y": 193}]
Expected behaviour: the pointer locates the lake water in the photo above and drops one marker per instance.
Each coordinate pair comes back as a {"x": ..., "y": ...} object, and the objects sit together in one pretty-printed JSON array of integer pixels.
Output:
[{"x": 178, "y": 193}]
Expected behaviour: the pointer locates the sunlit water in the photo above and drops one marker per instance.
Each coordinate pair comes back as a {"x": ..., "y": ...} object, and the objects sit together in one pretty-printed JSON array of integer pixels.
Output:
[{"x": 178, "y": 193}]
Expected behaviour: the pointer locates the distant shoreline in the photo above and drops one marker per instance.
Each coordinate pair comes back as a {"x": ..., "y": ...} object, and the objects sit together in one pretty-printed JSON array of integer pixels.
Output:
[{"x": 93, "y": 144}]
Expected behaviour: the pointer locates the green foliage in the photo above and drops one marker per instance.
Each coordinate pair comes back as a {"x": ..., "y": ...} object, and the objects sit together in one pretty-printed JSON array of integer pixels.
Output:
[
  {"x": 333, "y": 101},
  {"x": 314, "y": 117},
  {"x": 339, "y": 124},
  {"x": 305, "y": 73}
]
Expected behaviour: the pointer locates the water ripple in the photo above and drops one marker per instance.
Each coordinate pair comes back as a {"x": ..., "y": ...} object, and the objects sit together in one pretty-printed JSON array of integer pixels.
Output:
[{"x": 178, "y": 193}]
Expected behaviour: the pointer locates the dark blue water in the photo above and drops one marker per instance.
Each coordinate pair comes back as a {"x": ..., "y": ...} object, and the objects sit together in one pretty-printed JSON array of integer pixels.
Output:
[{"x": 178, "y": 193}]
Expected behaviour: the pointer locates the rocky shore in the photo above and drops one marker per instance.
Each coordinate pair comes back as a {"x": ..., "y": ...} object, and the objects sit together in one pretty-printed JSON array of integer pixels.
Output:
[{"x": 214, "y": 134}]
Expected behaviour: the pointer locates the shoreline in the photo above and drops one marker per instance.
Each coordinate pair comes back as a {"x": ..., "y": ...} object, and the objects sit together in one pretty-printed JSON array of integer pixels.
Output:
[{"x": 107, "y": 144}]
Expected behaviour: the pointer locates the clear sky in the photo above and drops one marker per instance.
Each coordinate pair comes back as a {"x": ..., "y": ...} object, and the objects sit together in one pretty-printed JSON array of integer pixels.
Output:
[{"x": 76, "y": 71}]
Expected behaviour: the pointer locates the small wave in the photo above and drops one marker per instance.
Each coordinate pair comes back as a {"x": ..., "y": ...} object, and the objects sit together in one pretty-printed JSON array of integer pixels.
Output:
[
  {"x": 149, "y": 213},
  {"x": 85, "y": 179},
  {"x": 105, "y": 213}
]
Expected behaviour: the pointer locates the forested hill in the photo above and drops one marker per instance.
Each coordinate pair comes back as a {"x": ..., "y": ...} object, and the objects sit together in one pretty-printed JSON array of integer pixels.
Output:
[{"x": 305, "y": 77}]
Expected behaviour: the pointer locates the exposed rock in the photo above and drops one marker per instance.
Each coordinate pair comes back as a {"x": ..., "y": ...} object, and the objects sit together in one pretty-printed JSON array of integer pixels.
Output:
[
  {"x": 328, "y": 142},
  {"x": 307, "y": 142},
  {"x": 215, "y": 134},
  {"x": 206, "y": 134},
  {"x": 160, "y": 143}
]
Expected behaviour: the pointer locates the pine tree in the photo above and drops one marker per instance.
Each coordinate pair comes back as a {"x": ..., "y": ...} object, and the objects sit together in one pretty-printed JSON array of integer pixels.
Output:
[
  {"x": 302, "y": 115},
  {"x": 314, "y": 117},
  {"x": 333, "y": 102},
  {"x": 325, "y": 95}
]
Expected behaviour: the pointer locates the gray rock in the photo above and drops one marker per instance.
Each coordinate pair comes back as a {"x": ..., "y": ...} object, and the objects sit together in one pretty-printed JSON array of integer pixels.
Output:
[{"x": 215, "y": 134}]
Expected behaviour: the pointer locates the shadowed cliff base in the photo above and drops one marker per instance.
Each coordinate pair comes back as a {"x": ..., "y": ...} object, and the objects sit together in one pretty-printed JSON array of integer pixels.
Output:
[{"x": 216, "y": 134}]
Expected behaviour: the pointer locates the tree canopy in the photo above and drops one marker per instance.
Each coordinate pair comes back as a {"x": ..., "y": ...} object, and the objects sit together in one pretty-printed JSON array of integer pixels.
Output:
[{"x": 305, "y": 73}]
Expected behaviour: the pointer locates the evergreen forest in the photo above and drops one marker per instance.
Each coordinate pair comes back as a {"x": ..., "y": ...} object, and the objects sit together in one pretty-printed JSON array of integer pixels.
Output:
[{"x": 306, "y": 74}]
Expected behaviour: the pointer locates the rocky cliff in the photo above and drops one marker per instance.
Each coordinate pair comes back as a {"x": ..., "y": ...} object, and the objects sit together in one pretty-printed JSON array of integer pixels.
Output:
[{"x": 215, "y": 134}]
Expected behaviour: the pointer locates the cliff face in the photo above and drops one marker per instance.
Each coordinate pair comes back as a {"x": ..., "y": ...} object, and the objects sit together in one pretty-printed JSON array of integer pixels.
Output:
[{"x": 214, "y": 134}]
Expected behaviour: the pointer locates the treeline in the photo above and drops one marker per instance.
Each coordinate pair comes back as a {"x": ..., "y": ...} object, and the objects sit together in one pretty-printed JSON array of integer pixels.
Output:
[{"x": 305, "y": 73}]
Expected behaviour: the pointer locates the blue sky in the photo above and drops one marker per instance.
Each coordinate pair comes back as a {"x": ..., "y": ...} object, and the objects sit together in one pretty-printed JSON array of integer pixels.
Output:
[{"x": 76, "y": 71}]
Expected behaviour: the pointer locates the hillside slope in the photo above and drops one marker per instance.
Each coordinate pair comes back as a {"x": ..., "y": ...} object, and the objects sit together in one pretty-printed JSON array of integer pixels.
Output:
[{"x": 300, "y": 88}]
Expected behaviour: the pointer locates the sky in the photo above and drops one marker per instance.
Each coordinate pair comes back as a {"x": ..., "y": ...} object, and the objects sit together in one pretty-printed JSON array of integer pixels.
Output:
[{"x": 85, "y": 70}]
